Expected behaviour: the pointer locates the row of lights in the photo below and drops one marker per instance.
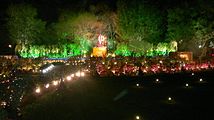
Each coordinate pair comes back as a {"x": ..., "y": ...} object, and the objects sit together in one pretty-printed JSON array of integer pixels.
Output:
[
  {"x": 48, "y": 68},
  {"x": 55, "y": 83},
  {"x": 157, "y": 81}
]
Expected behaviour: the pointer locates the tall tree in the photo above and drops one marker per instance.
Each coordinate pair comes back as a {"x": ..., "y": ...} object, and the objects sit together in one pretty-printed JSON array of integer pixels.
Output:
[
  {"x": 23, "y": 25},
  {"x": 139, "y": 23}
]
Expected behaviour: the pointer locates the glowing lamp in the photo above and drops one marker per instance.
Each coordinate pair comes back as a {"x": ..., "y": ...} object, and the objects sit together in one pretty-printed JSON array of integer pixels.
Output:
[
  {"x": 78, "y": 74},
  {"x": 68, "y": 78},
  {"x": 55, "y": 83},
  {"x": 38, "y": 90},
  {"x": 169, "y": 98},
  {"x": 157, "y": 80},
  {"x": 47, "y": 86},
  {"x": 137, "y": 117},
  {"x": 82, "y": 74}
]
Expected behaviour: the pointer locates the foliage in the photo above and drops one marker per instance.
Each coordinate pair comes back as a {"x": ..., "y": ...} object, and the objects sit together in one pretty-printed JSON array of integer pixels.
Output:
[
  {"x": 50, "y": 51},
  {"x": 22, "y": 24},
  {"x": 138, "y": 21},
  {"x": 122, "y": 49},
  {"x": 179, "y": 24}
]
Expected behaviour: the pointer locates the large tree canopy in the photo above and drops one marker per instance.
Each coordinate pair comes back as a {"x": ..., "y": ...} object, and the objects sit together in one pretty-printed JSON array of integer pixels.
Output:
[
  {"x": 23, "y": 26},
  {"x": 139, "y": 24}
]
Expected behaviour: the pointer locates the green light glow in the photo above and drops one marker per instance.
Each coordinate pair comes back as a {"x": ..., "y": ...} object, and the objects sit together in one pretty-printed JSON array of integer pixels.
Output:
[
  {"x": 70, "y": 50},
  {"x": 53, "y": 51}
]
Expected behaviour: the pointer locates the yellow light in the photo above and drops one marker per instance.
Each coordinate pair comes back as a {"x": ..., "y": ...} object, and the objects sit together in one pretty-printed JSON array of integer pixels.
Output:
[
  {"x": 137, "y": 85},
  {"x": 169, "y": 98},
  {"x": 82, "y": 74},
  {"x": 78, "y": 74},
  {"x": 68, "y": 78},
  {"x": 72, "y": 75},
  {"x": 38, "y": 90},
  {"x": 47, "y": 86},
  {"x": 137, "y": 117},
  {"x": 55, "y": 83},
  {"x": 3, "y": 103},
  {"x": 113, "y": 55}
]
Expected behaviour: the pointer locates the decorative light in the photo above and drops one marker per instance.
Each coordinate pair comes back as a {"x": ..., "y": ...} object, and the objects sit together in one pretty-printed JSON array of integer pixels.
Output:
[
  {"x": 187, "y": 85},
  {"x": 201, "y": 80},
  {"x": 157, "y": 80},
  {"x": 47, "y": 86},
  {"x": 137, "y": 117},
  {"x": 78, "y": 74},
  {"x": 169, "y": 98},
  {"x": 72, "y": 75},
  {"x": 3, "y": 103},
  {"x": 55, "y": 83},
  {"x": 68, "y": 78},
  {"x": 82, "y": 74},
  {"x": 137, "y": 85},
  {"x": 113, "y": 55},
  {"x": 38, "y": 90},
  {"x": 193, "y": 74}
]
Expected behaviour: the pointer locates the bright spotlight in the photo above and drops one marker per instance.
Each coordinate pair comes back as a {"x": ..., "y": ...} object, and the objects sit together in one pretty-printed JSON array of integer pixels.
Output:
[
  {"x": 187, "y": 85},
  {"x": 137, "y": 85},
  {"x": 201, "y": 79},
  {"x": 169, "y": 98}
]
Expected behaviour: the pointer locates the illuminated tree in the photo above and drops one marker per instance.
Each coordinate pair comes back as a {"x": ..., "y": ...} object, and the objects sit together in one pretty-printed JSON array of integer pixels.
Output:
[
  {"x": 139, "y": 24},
  {"x": 179, "y": 25},
  {"x": 22, "y": 24}
]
